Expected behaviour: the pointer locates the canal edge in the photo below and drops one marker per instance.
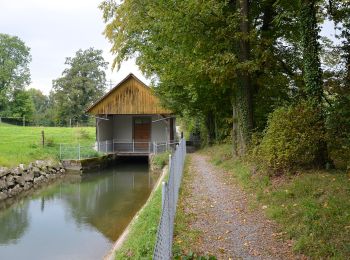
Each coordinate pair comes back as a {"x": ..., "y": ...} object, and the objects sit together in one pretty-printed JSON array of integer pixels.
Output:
[{"x": 117, "y": 244}]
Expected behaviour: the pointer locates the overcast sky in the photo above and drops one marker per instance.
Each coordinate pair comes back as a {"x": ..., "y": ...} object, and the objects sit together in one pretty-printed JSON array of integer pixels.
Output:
[{"x": 56, "y": 29}]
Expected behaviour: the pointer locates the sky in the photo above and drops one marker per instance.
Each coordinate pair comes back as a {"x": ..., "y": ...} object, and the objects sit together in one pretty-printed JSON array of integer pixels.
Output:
[{"x": 56, "y": 29}]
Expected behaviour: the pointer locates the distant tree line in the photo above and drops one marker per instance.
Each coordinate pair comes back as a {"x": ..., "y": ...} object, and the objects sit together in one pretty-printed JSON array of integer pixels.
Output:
[{"x": 81, "y": 83}]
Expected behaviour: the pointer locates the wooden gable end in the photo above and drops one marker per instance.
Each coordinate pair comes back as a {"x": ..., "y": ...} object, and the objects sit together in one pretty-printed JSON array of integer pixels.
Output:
[{"x": 130, "y": 97}]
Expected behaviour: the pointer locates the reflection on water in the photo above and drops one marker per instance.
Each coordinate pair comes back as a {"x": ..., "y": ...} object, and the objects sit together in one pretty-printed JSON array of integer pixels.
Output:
[{"x": 76, "y": 219}]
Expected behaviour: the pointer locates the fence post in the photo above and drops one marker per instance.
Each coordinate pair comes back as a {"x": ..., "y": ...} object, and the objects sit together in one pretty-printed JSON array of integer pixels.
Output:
[
  {"x": 164, "y": 186},
  {"x": 43, "y": 138},
  {"x": 24, "y": 120},
  {"x": 106, "y": 146},
  {"x": 79, "y": 151}
]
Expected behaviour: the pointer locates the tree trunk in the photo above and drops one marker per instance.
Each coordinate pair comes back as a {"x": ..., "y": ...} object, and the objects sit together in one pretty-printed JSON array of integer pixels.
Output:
[
  {"x": 312, "y": 68},
  {"x": 243, "y": 103},
  {"x": 210, "y": 125},
  {"x": 311, "y": 52}
]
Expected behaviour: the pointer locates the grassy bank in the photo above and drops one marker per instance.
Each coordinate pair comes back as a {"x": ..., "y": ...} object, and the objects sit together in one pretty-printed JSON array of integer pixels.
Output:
[
  {"x": 24, "y": 144},
  {"x": 141, "y": 239},
  {"x": 312, "y": 207}
]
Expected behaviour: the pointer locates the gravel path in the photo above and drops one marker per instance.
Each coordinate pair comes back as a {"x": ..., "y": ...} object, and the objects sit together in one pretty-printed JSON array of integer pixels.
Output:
[{"x": 230, "y": 230}]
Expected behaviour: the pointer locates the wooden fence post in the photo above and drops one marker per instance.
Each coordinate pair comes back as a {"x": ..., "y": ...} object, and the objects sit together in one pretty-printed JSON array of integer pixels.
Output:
[{"x": 43, "y": 138}]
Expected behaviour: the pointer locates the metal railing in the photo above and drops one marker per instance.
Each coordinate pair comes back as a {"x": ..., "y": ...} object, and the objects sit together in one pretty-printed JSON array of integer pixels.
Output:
[
  {"x": 170, "y": 193},
  {"x": 78, "y": 151},
  {"x": 114, "y": 146}
]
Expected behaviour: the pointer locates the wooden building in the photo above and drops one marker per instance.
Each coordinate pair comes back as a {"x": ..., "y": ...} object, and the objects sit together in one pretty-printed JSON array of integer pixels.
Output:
[{"x": 131, "y": 120}]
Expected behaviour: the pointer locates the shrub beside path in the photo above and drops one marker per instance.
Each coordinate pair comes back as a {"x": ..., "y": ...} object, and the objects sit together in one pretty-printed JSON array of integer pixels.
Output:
[{"x": 219, "y": 211}]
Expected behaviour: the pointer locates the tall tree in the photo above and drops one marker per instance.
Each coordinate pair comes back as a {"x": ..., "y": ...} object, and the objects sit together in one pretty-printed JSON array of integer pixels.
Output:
[
  {"x": 191, "y": 48},
  {"x": 82, "y": 83},
  {"x": 41, "y": 104},
  {"x": 14, "y": 72},
  {"x": 22, "y": 105},
  {"x": 311, "y": 51}
]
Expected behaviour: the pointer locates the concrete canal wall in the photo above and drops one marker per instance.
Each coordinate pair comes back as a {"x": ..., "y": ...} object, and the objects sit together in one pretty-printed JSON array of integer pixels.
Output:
[{"x": 23, "y": 178}]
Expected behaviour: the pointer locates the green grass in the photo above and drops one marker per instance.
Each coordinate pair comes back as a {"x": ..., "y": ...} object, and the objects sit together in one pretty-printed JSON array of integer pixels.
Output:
[
  {"x": 160, "y": 160},
  {"x": 312, "y": 208},
  {"x": 23, "y": 144},
  {"x": 140, "y": 242}
]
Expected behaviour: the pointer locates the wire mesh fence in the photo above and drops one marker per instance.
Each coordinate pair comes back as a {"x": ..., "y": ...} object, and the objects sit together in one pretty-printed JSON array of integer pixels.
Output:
[
  {"x": 170, "y": 193},
  {"x": 78, "y": 152}
]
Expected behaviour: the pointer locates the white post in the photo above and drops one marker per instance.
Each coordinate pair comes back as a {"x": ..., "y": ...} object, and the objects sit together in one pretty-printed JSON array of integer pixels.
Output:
[
  {"x": 164, "y": 186},
  {"x": 79, "y": 151},
  {"x": 106, "y": 146}
]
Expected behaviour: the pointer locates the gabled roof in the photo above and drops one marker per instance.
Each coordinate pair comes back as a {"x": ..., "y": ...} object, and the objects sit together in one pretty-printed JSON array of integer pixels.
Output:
[{"x": 130, "y": 96}]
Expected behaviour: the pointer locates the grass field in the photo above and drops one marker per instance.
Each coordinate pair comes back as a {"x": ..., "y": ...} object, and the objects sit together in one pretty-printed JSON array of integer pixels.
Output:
[
  {"x": 24, "y": 144},
  {"x": 312, "y": 207}
]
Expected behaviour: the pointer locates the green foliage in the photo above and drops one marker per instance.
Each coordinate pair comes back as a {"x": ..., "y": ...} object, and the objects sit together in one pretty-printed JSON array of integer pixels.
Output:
[
  {"x": 160, "y": 160},
  {"x": 338, "y": 126},
  {"x": 14, "y": 60},
  {"x": 311, "y": 50},
  {"x": 292, "y": 137},
  {"x": 22, "y": 105},
  {"x": 82, "y": 83},
  {"x": 141, "y": 239},
  {"x": 41, "y": 106}
]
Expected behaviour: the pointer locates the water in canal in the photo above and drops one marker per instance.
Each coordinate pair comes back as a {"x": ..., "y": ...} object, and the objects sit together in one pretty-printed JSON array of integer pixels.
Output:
[{"x": 75, "y": 219}]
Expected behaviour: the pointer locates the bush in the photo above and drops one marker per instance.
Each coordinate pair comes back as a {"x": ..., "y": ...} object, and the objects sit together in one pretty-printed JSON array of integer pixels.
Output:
[
  {"x": 160, "y": 160},
  {"x": 338, "y": 127},
  {"x": 292, "y": 138}
]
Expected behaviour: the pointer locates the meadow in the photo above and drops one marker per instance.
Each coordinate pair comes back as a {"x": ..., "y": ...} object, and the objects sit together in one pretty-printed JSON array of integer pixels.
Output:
[{"x": 20, "y": 144}]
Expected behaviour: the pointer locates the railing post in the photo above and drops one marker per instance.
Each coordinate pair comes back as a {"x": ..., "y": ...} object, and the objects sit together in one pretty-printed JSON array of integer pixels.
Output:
[
  {"x": 79, "y": 151},
  {"x": 164, "y": 186}
]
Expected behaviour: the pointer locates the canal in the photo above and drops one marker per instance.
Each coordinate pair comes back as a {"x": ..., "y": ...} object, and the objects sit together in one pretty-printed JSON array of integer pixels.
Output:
[{"x": 77, "y": 218}]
